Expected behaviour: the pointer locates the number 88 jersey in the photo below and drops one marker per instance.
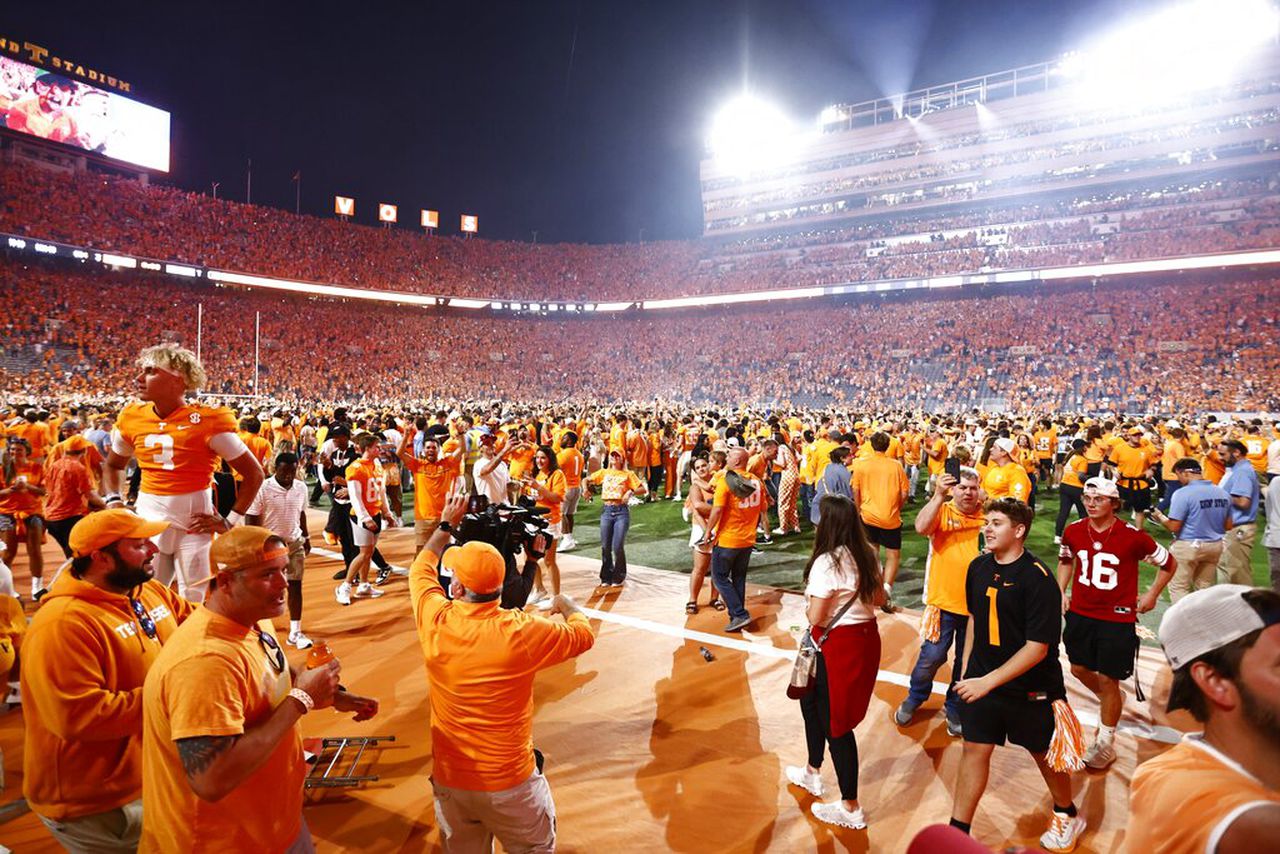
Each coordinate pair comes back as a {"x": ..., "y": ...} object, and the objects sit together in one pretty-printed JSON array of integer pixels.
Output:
[
  {"x": 178, "y": 453},
  {"x": 1104, "y": 581}
]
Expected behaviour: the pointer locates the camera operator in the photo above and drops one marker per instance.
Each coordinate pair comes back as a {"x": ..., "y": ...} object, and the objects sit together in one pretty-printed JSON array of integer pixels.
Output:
[{"x": 481, "y": 662}]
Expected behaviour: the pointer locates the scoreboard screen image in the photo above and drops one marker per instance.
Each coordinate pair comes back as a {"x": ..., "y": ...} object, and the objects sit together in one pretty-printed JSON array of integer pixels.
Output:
[{"x": 55, "y": 107}]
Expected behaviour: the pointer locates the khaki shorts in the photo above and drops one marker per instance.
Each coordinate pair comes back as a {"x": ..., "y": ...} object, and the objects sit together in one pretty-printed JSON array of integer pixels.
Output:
[
  {"x": 119, "y": 830},
  {"x": 422, "y": 531},
  {"x": 297, "y": 561}
]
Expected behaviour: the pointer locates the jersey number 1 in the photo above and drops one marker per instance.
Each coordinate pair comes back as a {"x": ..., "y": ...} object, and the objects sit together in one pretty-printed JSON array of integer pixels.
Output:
[{"x": 164, "y": 449}]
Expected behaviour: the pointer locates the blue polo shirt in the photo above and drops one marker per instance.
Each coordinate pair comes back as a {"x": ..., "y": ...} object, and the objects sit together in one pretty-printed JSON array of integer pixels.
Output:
[
  {"x": 1202, "y": 508},
  {"x": 1239, "y": 481}
]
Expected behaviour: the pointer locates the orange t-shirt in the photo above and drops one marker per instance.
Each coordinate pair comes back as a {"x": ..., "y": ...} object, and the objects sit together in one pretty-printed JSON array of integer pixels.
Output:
[
  {"x": 214, "y": 678},
  {"x": 26, "y": 503},
  {"x": 1181, "y": 799},
  {"x": 520, "y": 461},
  {"x": 431, "y": 485},
  {"x": 1007, "y": 481},
  {"x": 68, "y": 485},
  {"x": 638, "y": 450},
  {"x": 1174, "y": 450},
  {"x": 879, "y": 483},
  {"x": 939, "y": 465},
  {"x": 952, "y": 547},
  {"x": 555, "y": 483},
  {"x": 571, "y": 462},
  {"x": 613, "y": 483},
  {"x": 655, "y": 449},
  {"x": 739, "y": 517},
  {"x": 37, "y": 436},
  {"x": 174, "y": 452}
]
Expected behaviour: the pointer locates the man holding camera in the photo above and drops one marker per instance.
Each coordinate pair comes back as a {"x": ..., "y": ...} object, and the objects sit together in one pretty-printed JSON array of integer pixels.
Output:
[{"x": 481, "y": 662}]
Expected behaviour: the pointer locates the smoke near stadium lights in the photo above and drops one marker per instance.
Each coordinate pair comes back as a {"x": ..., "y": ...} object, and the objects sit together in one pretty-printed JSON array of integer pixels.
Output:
[
  {"x": 1184, "y": 48},
  {"x": 751, "y": 135}
]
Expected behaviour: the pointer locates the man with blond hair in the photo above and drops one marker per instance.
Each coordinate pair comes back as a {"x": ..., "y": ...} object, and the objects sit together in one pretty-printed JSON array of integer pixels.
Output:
[{"x": 177, "y": 445}]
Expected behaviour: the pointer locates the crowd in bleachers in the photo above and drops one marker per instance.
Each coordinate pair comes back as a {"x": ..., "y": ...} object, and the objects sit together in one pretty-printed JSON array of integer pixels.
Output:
[
  {"x": 170, "y": 224},
  {"x": 1090, "y": 348}
]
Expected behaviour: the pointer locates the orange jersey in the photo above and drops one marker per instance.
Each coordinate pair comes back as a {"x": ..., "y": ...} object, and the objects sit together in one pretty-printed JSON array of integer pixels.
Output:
[
  {"x": 175, "y": 452},
  {"x": 1046, "y": 442},
  {"x": 739, "y": 516},
  {"x": 369, "y": 475},
  {"x": 570, "y": 461},
  {"x": 911, "y": 448}
]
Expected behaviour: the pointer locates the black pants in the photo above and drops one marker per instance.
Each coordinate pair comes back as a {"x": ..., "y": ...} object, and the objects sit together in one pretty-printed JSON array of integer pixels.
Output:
[
  {"x": 60, "y": 530},
  {"x": 1068, "y": 497},
  {"x": 816, "y": 708},
  {"x": 656, "y": 475}
]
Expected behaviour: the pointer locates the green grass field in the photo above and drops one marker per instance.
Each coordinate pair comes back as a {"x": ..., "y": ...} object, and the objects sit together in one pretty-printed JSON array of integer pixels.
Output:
[{"x": 659, "y": 538}]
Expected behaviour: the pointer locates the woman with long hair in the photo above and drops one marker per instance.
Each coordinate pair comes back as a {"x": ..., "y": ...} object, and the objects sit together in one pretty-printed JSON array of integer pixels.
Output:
[
  {"x": 22, "y": 510},
  {"x": 698, "y": 504},
  {"x": 1075, "y": 471},
  {"x": 1026, "y": 457},
  {"x": 1095, "y": 450},
  {"x": 788, "y": 486},
  {"x": 843, "y": 570},
  {"x": 617, "y": 485},
  {"x": 547, "y": 486}
]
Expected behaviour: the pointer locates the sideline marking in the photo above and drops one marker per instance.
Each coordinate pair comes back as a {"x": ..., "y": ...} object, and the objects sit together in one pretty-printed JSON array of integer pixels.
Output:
[{"x": 1163, "y": 734}]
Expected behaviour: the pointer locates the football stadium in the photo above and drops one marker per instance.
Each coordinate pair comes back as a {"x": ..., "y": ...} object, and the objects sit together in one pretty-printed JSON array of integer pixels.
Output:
[{"x": 392, "y": 465}]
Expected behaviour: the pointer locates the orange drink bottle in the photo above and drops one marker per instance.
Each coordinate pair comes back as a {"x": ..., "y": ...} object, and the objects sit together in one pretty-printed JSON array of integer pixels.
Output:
[{"x": 319, "y": 656}]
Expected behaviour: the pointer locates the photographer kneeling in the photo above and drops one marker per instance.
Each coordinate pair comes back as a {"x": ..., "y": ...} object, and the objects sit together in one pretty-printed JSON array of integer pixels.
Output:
[{"x": 481, "y": 662}]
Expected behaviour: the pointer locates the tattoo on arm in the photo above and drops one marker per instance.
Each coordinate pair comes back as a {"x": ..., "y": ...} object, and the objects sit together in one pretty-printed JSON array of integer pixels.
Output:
[{"x": 198, "y": 753}]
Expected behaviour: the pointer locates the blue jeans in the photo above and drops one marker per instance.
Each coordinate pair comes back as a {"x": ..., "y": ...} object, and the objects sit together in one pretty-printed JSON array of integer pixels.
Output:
[
  {"x": 932, "y": 656},
  {"x": 729, "y": 574},
  {"x": 1170, "y": 487},
  {"x": 615, "y": 520}
]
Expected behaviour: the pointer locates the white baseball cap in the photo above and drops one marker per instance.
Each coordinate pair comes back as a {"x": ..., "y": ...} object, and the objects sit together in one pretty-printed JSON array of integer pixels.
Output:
[
  {"x": 1103, "y": 487},
  {"x": 1172, "y": 425},
  {"x": 1207, "y": 620},
  {"x": 1005, "y": 444}
]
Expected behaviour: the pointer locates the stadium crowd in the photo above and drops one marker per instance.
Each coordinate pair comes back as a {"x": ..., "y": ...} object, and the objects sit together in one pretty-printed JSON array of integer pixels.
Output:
[
  {"x": 1163, "y": 220},
  {"x": 1015, "y": 347}
]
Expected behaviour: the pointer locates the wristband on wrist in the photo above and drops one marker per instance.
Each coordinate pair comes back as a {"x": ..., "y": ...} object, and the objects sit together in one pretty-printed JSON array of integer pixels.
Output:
[
  {"x": 112, "y": 497},
  {"x": 304, "y": 698},
  {"x": 234, "y": 518}
]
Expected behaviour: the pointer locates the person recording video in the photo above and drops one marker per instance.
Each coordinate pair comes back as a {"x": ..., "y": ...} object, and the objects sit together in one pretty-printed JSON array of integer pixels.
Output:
[{"x": 481, "y": 662}]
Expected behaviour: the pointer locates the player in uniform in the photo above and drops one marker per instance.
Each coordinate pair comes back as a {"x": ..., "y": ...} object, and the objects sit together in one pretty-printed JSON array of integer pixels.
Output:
[
  {"x": 1101, "y": 554},
  {"x": 177, "y": 445},
  {"x": 366, "y": 489},
  {"x": 1012, "y": 687}
]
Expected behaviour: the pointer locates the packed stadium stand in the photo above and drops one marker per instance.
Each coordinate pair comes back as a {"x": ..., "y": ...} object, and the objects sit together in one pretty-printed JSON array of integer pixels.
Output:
[{"x": 1198, "y": 345}]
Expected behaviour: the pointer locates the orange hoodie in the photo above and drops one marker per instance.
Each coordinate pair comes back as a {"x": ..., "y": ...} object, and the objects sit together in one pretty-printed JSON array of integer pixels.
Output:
[{"x": 84, "y": 660}]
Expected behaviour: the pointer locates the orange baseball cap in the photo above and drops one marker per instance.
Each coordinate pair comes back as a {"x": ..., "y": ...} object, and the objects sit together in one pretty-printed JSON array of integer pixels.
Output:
[
  {"x": 245, "y": 547},
  {"x": 478, "y": 566},
  {"x": 101, "y": 529},
  {"x": 77, "y": 443}
]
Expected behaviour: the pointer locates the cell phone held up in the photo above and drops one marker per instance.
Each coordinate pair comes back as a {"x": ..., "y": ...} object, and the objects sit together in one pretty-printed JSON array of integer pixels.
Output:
[{"x": 952, "y": 467}]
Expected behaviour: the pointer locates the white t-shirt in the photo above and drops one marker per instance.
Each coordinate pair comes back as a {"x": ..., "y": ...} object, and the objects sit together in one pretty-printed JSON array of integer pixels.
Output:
[
  {"x": 1273, "y": 457},
  {"x": 493, "y": 485},
  {"x": 838, "y": 582}
]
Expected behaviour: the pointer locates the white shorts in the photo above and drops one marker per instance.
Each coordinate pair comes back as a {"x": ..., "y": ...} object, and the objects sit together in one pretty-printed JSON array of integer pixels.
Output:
[
  {"x": 362, "y": 536},
  {"x": 695, "y": 534},
  {"x": 177, "y": 510},
  {"x": 555, "y": 532}
]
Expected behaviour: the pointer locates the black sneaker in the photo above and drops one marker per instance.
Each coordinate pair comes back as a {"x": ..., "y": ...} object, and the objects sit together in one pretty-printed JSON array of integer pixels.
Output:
[
  {"x": 382, "y": 576},
  {"x": 764, "y": 541},
  {"x": 340, "y": 574},
  {"x": 954, "y": 728}
]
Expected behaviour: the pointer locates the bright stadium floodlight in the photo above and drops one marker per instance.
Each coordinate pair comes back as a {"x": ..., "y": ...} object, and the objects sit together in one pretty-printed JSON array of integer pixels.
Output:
[
  {"x": 751, "y": 135},
  {"x": 1184, "y": 48}
]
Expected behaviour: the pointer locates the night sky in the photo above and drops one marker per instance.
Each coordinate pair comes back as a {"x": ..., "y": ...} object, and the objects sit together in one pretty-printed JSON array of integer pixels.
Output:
[{"x": 582, "y": 120}]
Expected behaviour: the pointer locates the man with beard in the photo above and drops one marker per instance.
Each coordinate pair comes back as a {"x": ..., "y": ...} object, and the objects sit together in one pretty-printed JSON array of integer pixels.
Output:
[
  {"x": 97, "y": 633},
  {"x": 1217, "y": 790}
]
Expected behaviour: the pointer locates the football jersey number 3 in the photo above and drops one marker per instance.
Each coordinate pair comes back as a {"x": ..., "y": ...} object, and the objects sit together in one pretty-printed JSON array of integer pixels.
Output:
[{"x": 164, "y": 449}]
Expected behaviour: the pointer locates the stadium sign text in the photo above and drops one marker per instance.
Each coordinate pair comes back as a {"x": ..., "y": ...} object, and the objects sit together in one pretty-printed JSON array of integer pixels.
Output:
[{"x": 38, "y": 55}]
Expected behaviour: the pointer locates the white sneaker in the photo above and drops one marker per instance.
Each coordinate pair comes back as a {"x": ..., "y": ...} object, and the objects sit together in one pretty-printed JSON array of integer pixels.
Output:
[
  {"x": 835, "y": 813},
  {"x": 799, "y": 776},
  {"x": 367, "y": 589},
  {"x": 1057, "y": 541},
  {"x": 300, "y": 641},
  {"x": 343, "y": 594},
  {"x": 568, "y": 544},
  {"x": 544, "y": 604},
  {"x": 1063, "y": 833},
  {"x": 677, "y": 497},
  {"x": 635, "y": 501},
  {"x": 15, "y": 695},
  {"x": 1099, "y": 756}
]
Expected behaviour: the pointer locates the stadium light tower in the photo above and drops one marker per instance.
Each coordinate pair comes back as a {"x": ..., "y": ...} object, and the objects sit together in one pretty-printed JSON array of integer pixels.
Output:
[
  {"x": 749, "y": 135},
  {"x": 1186, "y": 47}
]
